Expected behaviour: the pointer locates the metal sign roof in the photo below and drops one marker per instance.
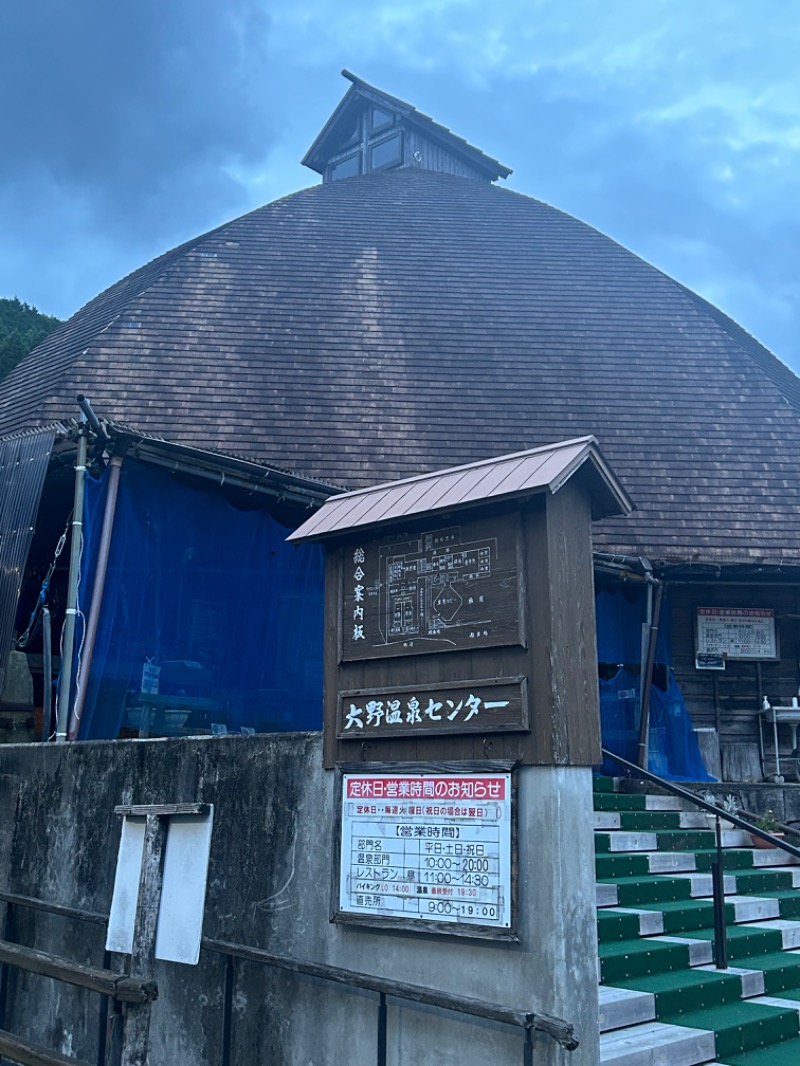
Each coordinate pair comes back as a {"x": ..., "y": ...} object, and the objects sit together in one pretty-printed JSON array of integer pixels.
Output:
[{"x": 519, "y": 475}]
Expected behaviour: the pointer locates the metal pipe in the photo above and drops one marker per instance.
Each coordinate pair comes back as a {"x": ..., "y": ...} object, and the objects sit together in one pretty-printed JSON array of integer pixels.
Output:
[
  {"x": 47, "y": 671},
  {"x": 91, "y": 417},
  {"x": 65, "y": 677},
  {"x": 227, "y": 1010},
  {"x": 527, "y": 1054},
  {"x": 772, "y": 581},
  {"x": 381, "y": 1060},
  {"x": 81, "y": 684},
  {"x": 222, "y": 478},
  {"x": 644, "y": 722},
  {"x": 718, "y": 883},
  {"x": 8, "y": 935}
]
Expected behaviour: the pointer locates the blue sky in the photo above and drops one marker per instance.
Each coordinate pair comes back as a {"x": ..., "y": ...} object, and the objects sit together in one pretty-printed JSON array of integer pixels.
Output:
[{"x": 672, "y": 126}]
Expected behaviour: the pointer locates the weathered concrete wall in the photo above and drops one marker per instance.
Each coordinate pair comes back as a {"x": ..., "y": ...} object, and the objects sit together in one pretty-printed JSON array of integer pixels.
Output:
[{"x": 269, "y": 886}]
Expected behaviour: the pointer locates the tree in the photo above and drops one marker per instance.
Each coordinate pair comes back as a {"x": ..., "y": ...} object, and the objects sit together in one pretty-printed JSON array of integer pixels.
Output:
[{"x": 22, "y": 327}]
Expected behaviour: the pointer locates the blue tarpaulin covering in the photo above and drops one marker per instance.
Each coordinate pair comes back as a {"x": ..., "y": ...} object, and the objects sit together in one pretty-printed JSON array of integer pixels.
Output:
[
  {"x": 672, "y": 750},
  {"x": 214, "y": 597}
]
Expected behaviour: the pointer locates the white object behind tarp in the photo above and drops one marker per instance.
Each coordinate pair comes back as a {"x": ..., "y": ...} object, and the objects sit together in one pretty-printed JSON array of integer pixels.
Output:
[{"x": 183, "y": 893}]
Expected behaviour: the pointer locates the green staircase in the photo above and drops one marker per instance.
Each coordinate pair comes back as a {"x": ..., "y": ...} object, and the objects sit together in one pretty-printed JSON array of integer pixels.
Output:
[{"x": 662, "y": 1001}]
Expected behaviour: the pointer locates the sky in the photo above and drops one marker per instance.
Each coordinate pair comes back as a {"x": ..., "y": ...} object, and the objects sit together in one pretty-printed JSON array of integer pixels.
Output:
[{"x": 673, "y": 126}]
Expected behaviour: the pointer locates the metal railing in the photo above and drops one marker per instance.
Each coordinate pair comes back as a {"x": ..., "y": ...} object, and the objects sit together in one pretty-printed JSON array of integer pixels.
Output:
[
  {"x": 718, "y": 865},
  {"x": 529, "y": 1022}
]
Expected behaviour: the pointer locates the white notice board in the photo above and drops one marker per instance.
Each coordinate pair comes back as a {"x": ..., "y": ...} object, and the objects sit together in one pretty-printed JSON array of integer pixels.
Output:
[
  {"x": 737, "y": 632},
  {"x": 183, "y": 891},
  {"x": 426, "y": 847}
]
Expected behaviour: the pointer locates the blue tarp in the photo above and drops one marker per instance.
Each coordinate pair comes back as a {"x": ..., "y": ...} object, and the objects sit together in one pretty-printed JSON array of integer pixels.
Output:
[
  {"x": 214, "y": 596},
  {"x": 672, "y": 750}
]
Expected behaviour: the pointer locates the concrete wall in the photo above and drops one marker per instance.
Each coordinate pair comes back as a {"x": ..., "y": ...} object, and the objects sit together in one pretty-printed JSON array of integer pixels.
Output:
[{"x": 269, "y": 886}]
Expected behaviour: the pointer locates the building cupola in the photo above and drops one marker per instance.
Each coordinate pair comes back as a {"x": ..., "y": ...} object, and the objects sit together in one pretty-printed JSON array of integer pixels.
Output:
[{"x": 371, "y": 131}]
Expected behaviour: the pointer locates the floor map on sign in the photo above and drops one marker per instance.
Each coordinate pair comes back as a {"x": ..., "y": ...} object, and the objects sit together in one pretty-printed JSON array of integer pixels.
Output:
[{"x": 440, "y": 590}]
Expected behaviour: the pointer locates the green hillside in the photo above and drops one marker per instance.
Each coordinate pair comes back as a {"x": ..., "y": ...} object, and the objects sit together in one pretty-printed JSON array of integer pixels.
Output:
[{"x": 22, "y": 327}]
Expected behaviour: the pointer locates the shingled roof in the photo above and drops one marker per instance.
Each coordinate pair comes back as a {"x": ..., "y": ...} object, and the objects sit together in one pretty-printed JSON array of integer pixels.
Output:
[{"x": 383, "y": 326}]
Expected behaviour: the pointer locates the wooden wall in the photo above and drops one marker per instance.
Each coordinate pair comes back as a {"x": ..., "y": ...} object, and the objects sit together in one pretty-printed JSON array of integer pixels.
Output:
[{"x": 729, "y": 700}]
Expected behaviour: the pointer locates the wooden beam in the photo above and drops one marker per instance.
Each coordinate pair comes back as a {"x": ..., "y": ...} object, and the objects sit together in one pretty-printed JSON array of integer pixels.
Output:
[
  {"x": 26, "y": 1053},
  {"x": 162, "y": 810},
  {"x": 106, "y": 982}
]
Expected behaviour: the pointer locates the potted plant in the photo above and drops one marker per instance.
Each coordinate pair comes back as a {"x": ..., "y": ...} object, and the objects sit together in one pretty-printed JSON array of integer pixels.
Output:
[
  {"x": 728, "y": 805},
  {"x": 770, "y": 824}
]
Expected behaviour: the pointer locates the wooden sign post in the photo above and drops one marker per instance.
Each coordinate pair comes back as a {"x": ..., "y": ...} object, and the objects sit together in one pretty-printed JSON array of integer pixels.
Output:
[{"x": 461, "y": 642}]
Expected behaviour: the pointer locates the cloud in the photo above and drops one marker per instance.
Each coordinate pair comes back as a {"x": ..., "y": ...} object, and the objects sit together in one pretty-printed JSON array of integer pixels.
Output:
[
  {"x": 130, "y": 112},
  {"x": 675, "y": 130}
]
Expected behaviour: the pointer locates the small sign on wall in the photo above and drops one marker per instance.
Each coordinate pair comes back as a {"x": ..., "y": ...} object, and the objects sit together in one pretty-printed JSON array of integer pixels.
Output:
[
  {"x": 426, "y": 848},
  {"x": 735, "y": 633}
]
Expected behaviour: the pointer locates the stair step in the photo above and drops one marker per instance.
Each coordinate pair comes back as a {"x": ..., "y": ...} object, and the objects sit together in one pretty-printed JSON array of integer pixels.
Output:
[
  {"x": 605, "y": 894},
  {"x": 620, "y": 840},
  {"x": 684, "y": 916},
  {"x": 773, "y": 857},
  {"x": 752, "y": 980},
  {"x": 767, "y": 879},
  {"x": 781, "y": 971},
  {"x": 606, "y": 820},
  {"x": 679, "y": 993},
  {"x": 625, "y": 959},
  {"x": 752, "y": 908},
  {"x": 608, "y": 866},
  {"x": 786, "y": 1053},
  {"x": 654, "y": 1043},
  {"x": 788, "y": 901},
  {"x": 742, "y": 1026},
  {"x": 702, "y": 885},
  {"x": 613, "y": 924},
  {"x": 662, "y": 1001},
  {"x": 701, "y": 952},
  {"x": 746, "y": 941},
  {"x": 621, "y": 1008},
  {"x": 619, "y": 801},
  {"x": 789, "y": 930},
  {"x": 650, "y": 820},
  {"x": 667, "y": 803},
  {"x": 636, "y": 891}
]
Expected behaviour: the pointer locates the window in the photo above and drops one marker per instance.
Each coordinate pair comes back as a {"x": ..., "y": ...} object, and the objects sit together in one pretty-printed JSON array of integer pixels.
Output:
[
  {"x": 379, "y": 120},
  {"x": 346, "y": 168},
  {"x": 387, "y": 153}
]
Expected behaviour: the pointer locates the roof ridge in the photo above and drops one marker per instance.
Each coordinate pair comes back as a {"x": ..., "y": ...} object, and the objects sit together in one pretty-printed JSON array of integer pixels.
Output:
[{"x": 587, "y": 439}]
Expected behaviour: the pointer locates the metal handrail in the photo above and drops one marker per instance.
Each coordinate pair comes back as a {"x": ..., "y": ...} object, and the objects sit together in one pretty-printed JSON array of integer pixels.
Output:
[
  {"x": 561, "y": 1031},
  {"x": 718, "y": 865},
  {"x": 712, "y": 808}
]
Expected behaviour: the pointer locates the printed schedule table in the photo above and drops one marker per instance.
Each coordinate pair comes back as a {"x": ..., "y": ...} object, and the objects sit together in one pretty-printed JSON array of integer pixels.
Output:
[{"x": 431, "y": 847}]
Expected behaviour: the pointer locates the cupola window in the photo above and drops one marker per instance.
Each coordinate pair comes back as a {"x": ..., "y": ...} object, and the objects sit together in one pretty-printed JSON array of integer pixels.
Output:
[
  {"x": 346, "y": 168},
  {"x": 379, "y": 120},
  {"x": 386, "y": 153}
]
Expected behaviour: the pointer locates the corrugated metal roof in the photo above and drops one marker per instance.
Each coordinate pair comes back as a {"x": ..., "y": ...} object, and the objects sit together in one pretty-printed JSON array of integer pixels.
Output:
[
  {"x": 23, "y": 466},
  {"x": 510, "y": 476}
]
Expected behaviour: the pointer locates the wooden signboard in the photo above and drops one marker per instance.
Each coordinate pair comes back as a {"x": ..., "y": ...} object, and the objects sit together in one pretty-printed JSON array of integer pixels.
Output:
[
  {"x": 490, "y": 706},
  {"x": 443, "y": 589}
]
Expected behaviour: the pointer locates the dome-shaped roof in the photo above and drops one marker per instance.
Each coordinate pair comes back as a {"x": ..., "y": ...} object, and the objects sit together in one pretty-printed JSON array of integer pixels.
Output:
[{"x": 382, "y": 326}]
